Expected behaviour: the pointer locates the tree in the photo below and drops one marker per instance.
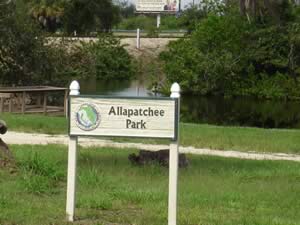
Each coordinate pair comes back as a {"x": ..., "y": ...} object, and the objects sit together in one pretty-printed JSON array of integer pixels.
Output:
[
  {"x": 48, "y": 13},
  {"x": 126, "y": 9},
  {"x": 191, "y": 16},
  {"x": 24, "y": 57},
  {"x": 227, "y": 55},
  {"x": 84, "y": 16},
  {"x": 266, "y": 10}
]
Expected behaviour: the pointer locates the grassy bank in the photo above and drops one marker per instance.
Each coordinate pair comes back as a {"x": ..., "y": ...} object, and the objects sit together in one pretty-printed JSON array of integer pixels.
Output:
[
  {"x": 197, "y": 135},
  {"x": 112, "y": 191},
  {"x": 35, "y": 123}
]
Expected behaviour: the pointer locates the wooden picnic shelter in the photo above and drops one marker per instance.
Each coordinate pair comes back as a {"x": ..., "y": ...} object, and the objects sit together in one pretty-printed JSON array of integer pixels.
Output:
[{"x": 30, "y": 99}]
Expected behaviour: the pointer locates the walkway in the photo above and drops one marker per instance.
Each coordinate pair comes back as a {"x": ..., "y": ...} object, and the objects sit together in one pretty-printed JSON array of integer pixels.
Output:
[{"x": 43, "y": 139}]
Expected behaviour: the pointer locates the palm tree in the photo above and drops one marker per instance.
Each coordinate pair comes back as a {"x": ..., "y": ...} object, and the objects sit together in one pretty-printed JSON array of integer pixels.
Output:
[{"x": 47, "y": 13}]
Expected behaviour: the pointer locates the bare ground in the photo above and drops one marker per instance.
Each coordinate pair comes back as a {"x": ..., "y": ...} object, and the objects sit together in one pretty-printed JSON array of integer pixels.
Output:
[
  {"x": 44, "y": 139},
  {"x": 152, "y": 46}
]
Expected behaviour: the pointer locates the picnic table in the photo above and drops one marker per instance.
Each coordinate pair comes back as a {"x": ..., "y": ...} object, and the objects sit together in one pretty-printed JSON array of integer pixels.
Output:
[{"x": 15, "y": 99}]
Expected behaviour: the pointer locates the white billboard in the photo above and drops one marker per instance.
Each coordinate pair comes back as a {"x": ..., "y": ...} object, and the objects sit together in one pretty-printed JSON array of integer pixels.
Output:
[{"x": 168, "y": 6}]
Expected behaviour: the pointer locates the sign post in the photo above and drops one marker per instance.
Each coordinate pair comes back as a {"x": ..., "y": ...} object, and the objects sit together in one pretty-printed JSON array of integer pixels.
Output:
[
  {"x": 158, "y": 20},
  {"x": 124, "y": 117},
  {"x": 138, "y": 38},
  {"x": 173, "y": 164},
  {"x": 72, "y": 161}
]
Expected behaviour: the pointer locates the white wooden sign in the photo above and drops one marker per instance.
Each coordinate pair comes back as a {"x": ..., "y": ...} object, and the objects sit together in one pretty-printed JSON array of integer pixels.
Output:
[
  {"x": 126, "y": 117},
  {"x": 123, "y": 117}
]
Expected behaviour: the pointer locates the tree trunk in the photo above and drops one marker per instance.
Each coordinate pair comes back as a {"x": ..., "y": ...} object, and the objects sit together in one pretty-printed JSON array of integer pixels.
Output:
[
  {"x": 243, "y": 7},
  {"x": 253, "y": 6}
]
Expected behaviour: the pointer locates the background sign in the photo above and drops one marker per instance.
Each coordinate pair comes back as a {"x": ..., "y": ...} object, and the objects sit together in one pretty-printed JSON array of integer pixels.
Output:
[
  {"x": 157, "y": 6},
  {"x": 124, "y": 117}
]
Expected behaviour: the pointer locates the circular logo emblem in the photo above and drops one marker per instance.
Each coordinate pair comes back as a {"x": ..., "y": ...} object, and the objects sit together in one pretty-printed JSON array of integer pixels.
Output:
[{"x": 87, "y": 117}]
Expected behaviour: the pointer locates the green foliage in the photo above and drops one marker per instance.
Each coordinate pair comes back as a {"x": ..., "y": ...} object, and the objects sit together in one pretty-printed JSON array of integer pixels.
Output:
[
  {"x": 171, "y": 22},
  {"x": 190, "y": 17},
  {"x": 28, "y": 58},
  {"x": 126, "y": 9},
  {"x": 244, "y": 191},
  {"x": 141, "y": 21},
  {"x": 208, "y": 61},
  {"x": 227, "y": 55},
  {"x": 81, "y": 16},
  {"x": 148, "y": 23},
  {"x": 193, "y": 14},
  {"x": 39, "y": 175},
  {"x": 47, "y": 13},
  {"x": 37, "y": 165},
  {"x": 104, "y": 59},
  {"x": 24, "y": 58},
  {"x": 84, "y": 16}
]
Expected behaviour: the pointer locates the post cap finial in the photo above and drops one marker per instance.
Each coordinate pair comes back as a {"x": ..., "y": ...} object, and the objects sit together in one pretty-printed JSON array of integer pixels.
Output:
[
  {"x": 175, "y": 90},
  {"x": 74, "y": 88}
]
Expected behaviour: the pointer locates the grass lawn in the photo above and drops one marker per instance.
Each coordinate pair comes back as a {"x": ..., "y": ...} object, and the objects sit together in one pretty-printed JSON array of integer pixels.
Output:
[
  {"x": 212, "y": 190},
  {"x": 197, "y": 135}
]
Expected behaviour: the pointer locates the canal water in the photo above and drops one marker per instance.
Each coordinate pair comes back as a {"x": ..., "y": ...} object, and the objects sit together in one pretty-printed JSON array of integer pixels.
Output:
[{"x": 212, "y": 110}]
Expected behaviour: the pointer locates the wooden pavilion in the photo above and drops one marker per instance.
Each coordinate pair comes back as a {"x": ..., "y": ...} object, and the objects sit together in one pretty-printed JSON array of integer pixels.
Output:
[{"x": 31, "y": 99}]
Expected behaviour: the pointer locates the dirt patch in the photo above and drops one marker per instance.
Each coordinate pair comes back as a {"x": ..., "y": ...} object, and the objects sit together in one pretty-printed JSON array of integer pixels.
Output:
[{"x": 151, "y": 46}]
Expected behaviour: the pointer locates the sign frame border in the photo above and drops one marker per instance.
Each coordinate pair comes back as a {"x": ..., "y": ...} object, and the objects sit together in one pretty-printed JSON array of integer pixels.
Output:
[{"x": 176, "y": 125}]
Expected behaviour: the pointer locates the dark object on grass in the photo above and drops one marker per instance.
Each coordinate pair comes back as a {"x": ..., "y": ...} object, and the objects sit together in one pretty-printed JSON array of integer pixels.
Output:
[
  {"x": 5, "y": 153},
  {"x": 161, "y": 157},
  {"x": 3, "y": 127}
]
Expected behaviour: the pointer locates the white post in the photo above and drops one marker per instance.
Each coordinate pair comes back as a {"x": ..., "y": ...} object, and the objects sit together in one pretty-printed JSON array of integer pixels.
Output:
[
  {"x": 72, "y": 159},
  {"x": 158, "y": 20},
  {"x": 173, "y": 164},
  {"x": 138, "y": 38}
]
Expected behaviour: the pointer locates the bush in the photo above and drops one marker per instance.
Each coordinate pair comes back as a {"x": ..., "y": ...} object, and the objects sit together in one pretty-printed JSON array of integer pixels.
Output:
[
  {"x": 142, "y": 22},
  {"x": 210, "y": 61},
  {"x": 104, "y": 59},
  {"x": 25, "y": 58},
  {"x": 226, "y": 55}
]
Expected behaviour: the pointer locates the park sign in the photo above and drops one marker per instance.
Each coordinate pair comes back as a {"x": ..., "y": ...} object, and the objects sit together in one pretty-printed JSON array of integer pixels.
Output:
[
  {"x": 123, "y": 117},
  {"x": 157, "y": 6}
]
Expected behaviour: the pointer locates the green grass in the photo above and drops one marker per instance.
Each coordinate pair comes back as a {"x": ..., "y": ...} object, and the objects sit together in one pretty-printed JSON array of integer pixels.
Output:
[
  {"x": 110, "y": 190},
  {"x": 35, "y": 123},
  {"x": 197, "y": 135}
]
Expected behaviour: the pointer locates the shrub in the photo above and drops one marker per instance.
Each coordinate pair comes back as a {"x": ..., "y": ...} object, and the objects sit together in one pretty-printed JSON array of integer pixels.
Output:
[
  {"x": 142, "y": 22},
  {"x": 226, "y": 55},
  {"x": 107, "y": 59}
]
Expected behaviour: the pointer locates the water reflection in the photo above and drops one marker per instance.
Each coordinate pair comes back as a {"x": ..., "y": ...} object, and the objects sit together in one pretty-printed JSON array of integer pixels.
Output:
[
  {"x": 211, "y": 110},
  {"x": 241, "y": 111},
  {"x": 114, "y": 88}
]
